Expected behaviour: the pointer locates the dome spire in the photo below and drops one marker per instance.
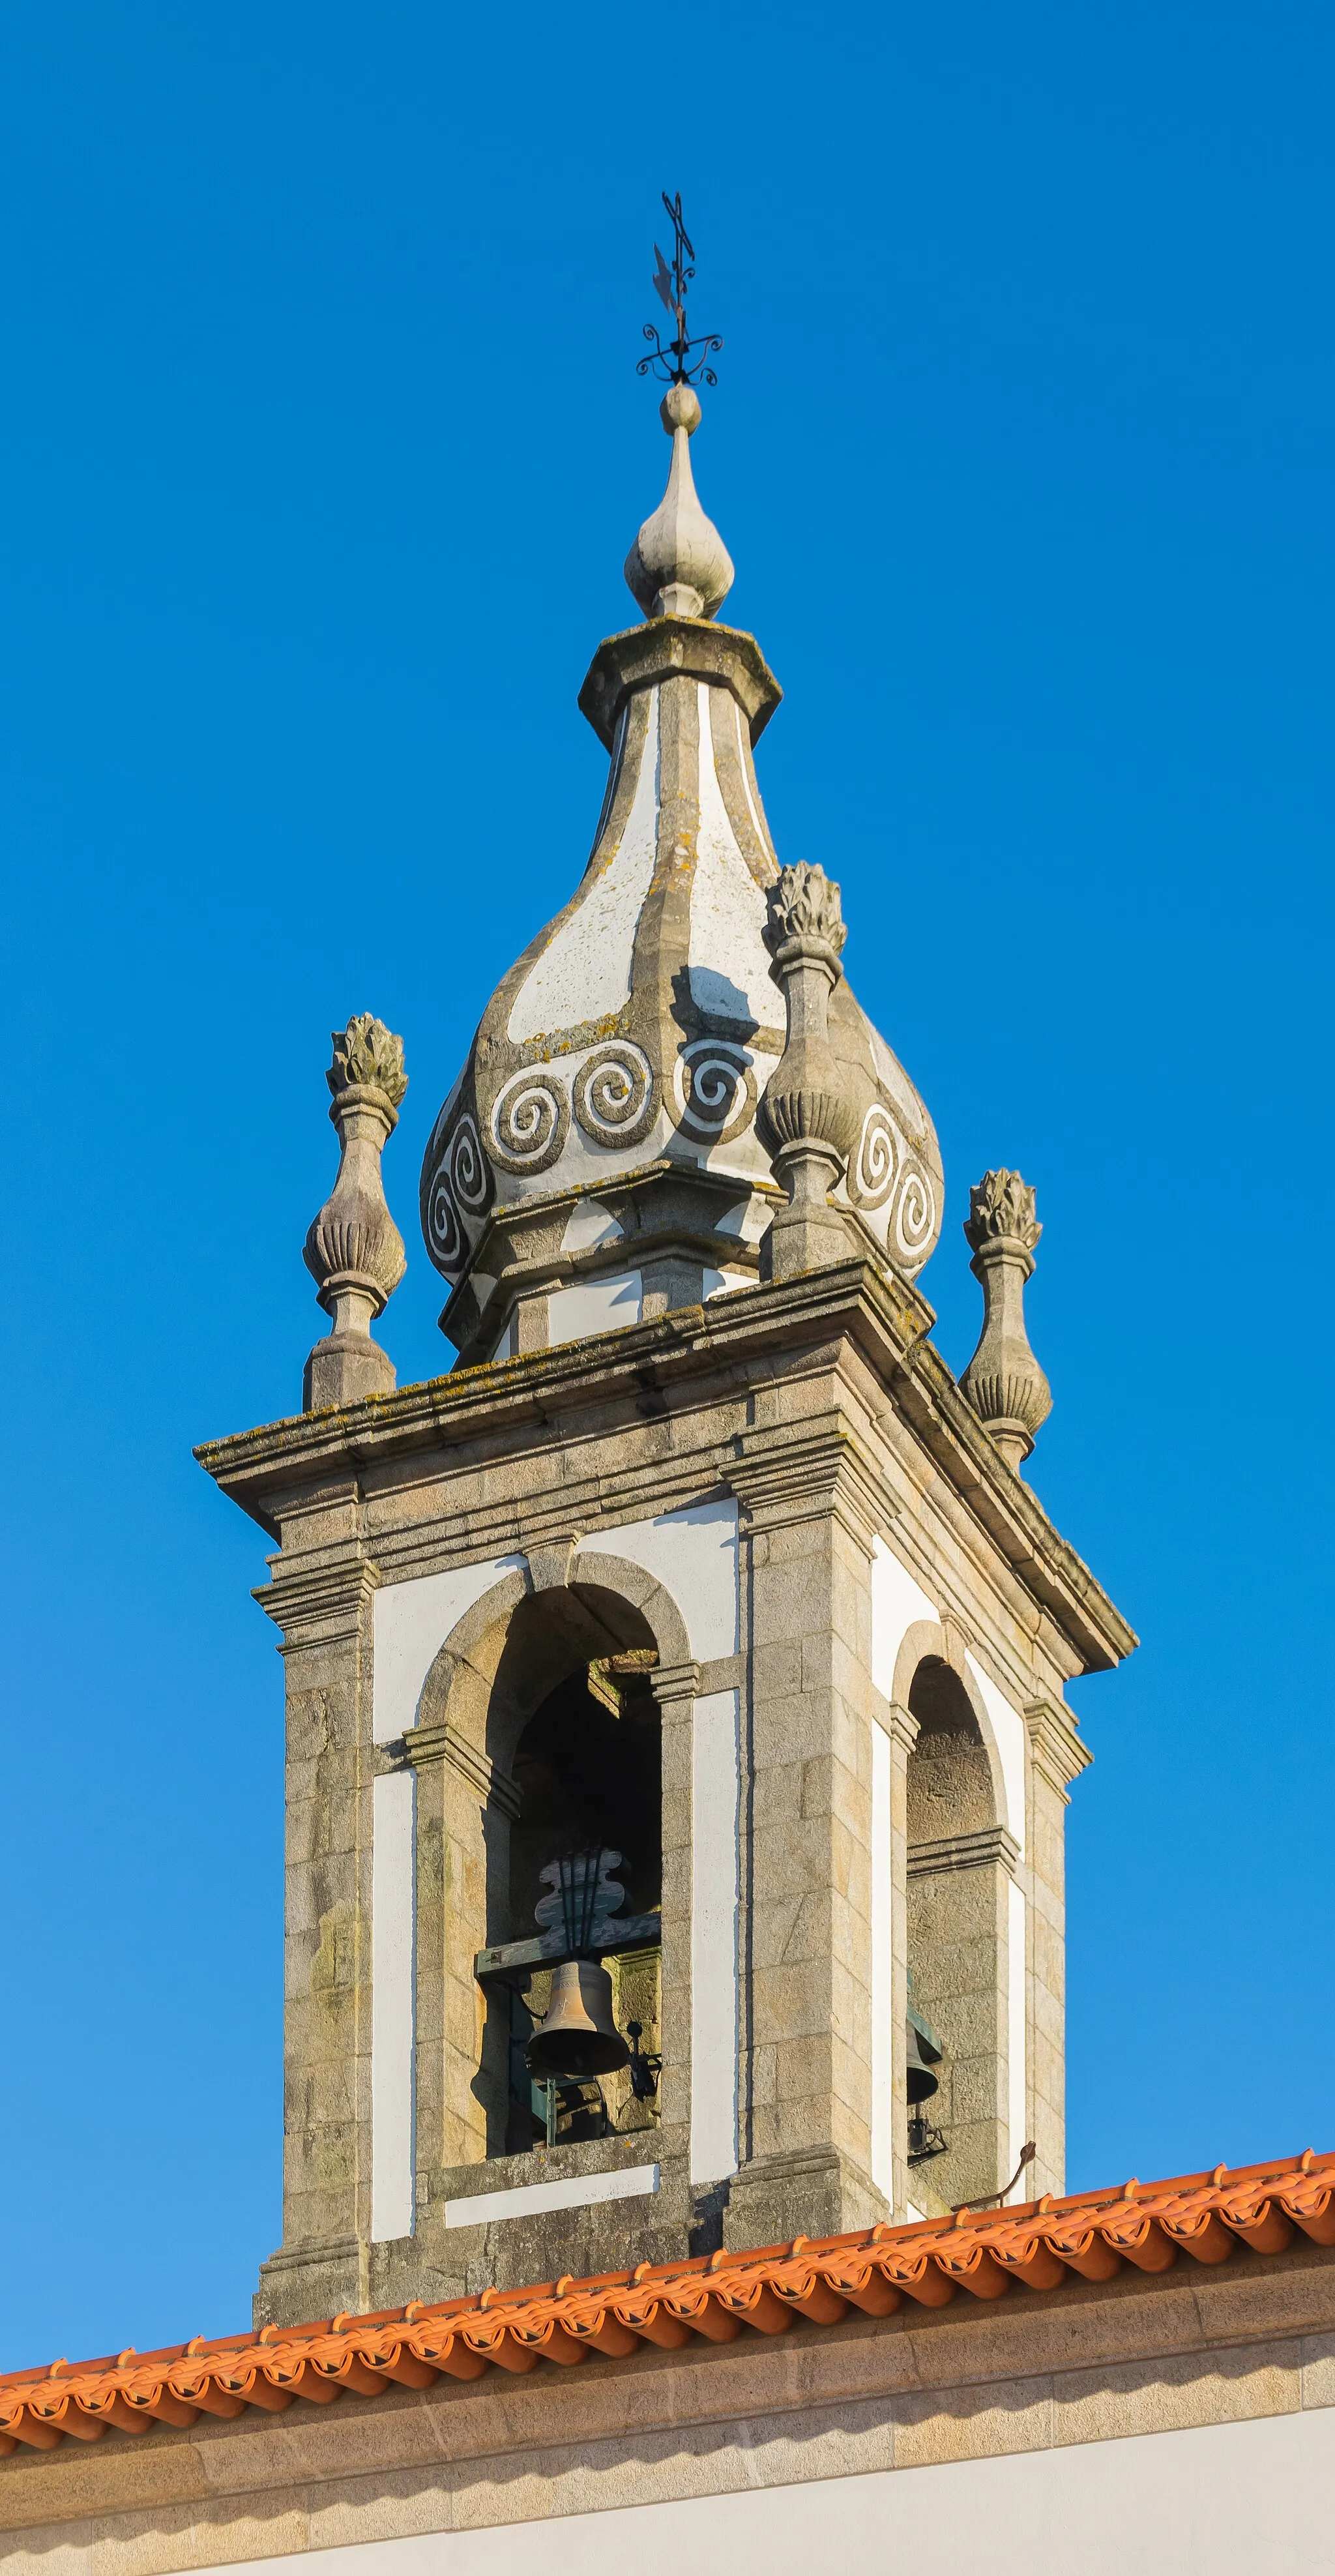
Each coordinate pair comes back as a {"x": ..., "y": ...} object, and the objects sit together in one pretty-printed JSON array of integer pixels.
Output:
[{"x": 679, "y": 565}]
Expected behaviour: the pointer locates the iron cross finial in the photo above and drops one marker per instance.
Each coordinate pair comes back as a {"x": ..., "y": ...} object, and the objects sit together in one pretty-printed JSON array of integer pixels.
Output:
[{"x": 675, "y": 363}]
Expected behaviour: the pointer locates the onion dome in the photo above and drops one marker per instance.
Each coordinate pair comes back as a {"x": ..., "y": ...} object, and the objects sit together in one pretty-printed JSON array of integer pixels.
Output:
[{"x": 598, "y": 1158}]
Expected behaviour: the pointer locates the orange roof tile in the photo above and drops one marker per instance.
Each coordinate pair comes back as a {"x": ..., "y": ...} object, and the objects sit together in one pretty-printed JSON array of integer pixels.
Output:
[{"x": 1040, "y": 2245}]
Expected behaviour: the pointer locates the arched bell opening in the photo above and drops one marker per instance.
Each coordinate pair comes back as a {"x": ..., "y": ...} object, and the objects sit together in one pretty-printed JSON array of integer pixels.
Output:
[
  {"x": 957, "y": 1950},
  {"x": 541, "y": 1740},
  {"x": 587, "y": 1772}
]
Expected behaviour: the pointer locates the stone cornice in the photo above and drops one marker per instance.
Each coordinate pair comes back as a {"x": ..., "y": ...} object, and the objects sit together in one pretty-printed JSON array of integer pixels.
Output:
[
  {"x": 646, "y": 1366},
  {"x": 318, "y": 1605},
  {"x": 802, "y": 1471},
  {"x": 1059, "y": 1757}
]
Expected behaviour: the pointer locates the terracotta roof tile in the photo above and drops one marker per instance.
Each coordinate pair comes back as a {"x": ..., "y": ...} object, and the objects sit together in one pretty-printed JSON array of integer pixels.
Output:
[{"x": 1210, "y": 2218}]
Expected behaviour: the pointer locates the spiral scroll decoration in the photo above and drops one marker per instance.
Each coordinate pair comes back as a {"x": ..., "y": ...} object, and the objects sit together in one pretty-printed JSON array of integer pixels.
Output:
[
  {"x": 457, "y": 1183},
  {"x": 715, "y": 1089},
  {"x": 915, "y": 1217},
  {"x": 616, "y": 1098},
  {"x": 874, "y": 1164},
  {"x": 530, "y": 1120},
  {"x": 470, "y": 1172}
]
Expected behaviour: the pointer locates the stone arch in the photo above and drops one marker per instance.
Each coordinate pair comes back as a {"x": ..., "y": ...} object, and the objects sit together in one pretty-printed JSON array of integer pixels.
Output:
[
  {"x": 928, "y": 1641},
  {"x": 957, "y": 1911},
  {"x": 502, "y": 1660}
]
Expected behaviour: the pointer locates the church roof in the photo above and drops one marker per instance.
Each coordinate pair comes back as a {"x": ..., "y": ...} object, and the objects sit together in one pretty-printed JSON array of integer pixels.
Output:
[{"x": 1043, "y": 2245}]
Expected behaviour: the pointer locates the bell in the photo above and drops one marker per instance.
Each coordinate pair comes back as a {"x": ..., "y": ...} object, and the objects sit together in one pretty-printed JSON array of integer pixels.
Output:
[
  {"x": 579, "y": 2037},
  {"x": 923, "y": 2080}
]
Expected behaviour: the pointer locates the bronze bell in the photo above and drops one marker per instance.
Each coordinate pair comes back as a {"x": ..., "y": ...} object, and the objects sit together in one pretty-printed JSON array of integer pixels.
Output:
[
  {"x": 578, "y": 2038},
  {"x": 923, "y": 2058}
]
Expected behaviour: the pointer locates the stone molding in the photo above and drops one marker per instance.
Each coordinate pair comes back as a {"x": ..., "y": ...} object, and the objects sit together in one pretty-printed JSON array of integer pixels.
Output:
[
  {"x": 900, "y": 1724},
  {"x": 673, "y": 1682},
  {"x": 423, "y": 1745},
  {"x": 724, "y": 656},
  {"x": 886, "y": 1321},
  {"x": 1059, "y": 1757},
  {"x": 808, "y": 1472},
  {"x": 321, "y": 1605},
  {"x": 977, "y": 1850}
]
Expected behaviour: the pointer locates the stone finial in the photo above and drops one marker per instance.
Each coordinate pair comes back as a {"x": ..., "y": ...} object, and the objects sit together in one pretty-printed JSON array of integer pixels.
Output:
[
  {"x": 354, "y": 1251},
  {"x": 806, "y": 1117},
  {"x": 1003, "y": 1381},
  {"x": 679, "y": 565}
]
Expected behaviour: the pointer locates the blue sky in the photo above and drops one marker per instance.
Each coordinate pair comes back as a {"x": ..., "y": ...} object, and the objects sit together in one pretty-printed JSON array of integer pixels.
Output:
[{"x": 323, "y": 446}]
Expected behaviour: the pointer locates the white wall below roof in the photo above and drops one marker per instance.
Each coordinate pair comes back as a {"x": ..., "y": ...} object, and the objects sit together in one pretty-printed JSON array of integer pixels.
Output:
[
  {"x": 1239, "y": 2499},
  {"x": 896, "y": 1602}
]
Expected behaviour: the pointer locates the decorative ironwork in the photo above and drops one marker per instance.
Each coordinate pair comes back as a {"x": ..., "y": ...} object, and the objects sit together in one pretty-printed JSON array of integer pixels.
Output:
[{"x": 675, "y": 362}]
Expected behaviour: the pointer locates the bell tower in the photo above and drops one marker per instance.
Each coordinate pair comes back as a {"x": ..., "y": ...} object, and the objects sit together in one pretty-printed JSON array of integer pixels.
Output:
[{"x": 677, "y": 1755}]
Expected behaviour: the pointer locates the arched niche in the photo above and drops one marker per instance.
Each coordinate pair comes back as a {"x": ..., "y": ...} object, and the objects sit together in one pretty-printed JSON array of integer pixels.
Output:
[
  {"x": 958, "y": 1865},
  {"x": 514, "y": 1754}
]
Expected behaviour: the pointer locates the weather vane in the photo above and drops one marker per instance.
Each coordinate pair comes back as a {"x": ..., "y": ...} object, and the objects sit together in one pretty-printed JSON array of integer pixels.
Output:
[{"x": 675, "y": 363}]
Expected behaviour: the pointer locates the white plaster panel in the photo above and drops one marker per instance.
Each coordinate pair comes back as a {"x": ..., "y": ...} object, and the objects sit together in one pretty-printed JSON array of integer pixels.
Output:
[
  {"x": 725, "y": 1283},
  {"x": 729, "y": 962},
  {"x": 588, "y": 1224},
  {"x": 594, "y": 1306},
  {"x": 530, "y": 2199},
  {"x": 393, "y": 1989},
  {"x": 1008, "y": 1736},
  {"x": 896, "y": 1602},
  {"x": 411, "y": 1622},
  {"x": 1241, "y": 2499},
  {"x": 693, "y": 1554},
  {"x": 1017, "y": 2000},
  {"x": 715, "y": 1789},
  {"x": 584, "y": 971},
  {"x": 882, "y": 2031}
]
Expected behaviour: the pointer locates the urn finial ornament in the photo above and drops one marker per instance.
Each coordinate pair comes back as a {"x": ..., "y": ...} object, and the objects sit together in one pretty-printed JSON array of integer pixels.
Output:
[
  {"x": 806, "y": 1118},
  {"x": 1003, "y": 1381},
  {"x": 354, "y": 1251}
]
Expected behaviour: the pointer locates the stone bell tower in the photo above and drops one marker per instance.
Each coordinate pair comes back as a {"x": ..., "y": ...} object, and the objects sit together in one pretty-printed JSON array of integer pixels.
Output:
[{"x": 698, "y": 1624}]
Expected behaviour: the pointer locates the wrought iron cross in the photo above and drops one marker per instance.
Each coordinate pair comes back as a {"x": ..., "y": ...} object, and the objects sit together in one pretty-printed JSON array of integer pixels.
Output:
[{"x": 675, "y": 363}]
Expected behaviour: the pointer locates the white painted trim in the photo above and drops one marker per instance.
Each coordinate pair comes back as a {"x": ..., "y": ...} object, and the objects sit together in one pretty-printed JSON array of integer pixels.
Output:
[
  {"x": 896, "y": 1602},
  {"x": 393, "y": 2004},
  {"x": 1008, "y": 1737},
  {"x": 410, "y": 1623},
  {"x": 715, "y": 1895},
  {"x": 529, "y": 2199},
  {"x": 693, "y": 1554},
  {"x": 882, "y": 1972},
  {"x": 1017, "y": 2000},
  {"x": 593, "y": 1306}
]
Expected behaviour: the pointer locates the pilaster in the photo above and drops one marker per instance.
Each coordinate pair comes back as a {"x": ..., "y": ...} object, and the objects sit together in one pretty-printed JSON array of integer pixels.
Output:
[
  {"x": 808, "y": 1523},
  {"x": 324, "y": 1612},
  {"x": 902, "y": 1731},
  {"x": 1056, "y": 1757}
]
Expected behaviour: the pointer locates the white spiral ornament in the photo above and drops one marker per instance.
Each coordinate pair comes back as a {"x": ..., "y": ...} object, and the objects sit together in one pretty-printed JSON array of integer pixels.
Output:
[
  {"x": 715, "y": 1089},
  {"x": 874, "y": 1163},
  {"x": 615, "y": 1095},
  {"x": 915, "y": 1219},
  {"x": 530, "y": 1120}
]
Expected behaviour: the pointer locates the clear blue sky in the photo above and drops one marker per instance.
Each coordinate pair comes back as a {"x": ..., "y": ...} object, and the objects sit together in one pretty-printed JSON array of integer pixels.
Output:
[{"x": 323, "y": 446}]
